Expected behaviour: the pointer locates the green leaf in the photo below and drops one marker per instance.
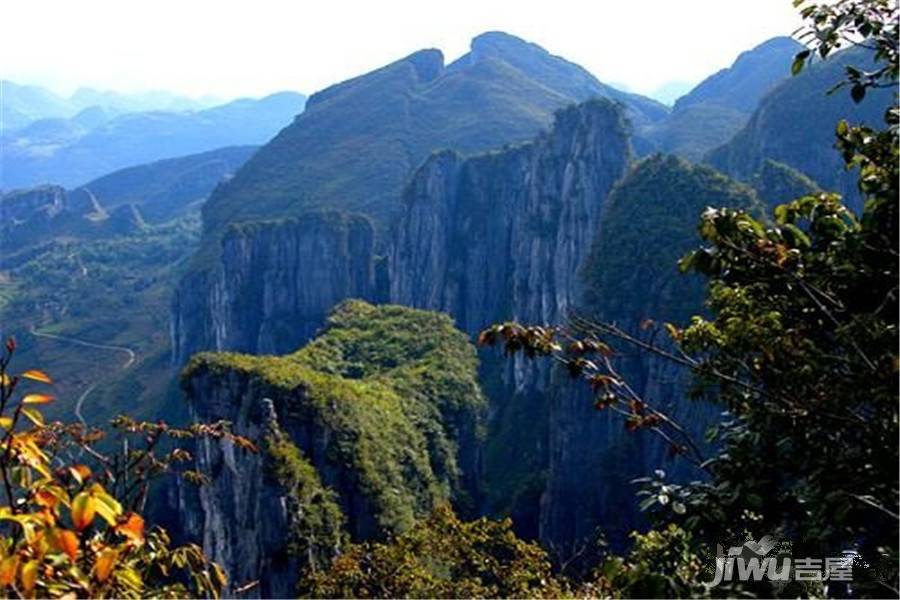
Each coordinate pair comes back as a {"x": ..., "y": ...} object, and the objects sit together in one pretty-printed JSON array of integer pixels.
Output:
[{"x": 799, "y": 62}]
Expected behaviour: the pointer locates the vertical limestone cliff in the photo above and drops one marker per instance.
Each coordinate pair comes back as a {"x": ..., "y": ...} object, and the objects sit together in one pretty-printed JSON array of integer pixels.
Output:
[
  {"x": 632, "y": 280},
  {"x": 273, "y": 285},
  {"x": 502, "y": 236},
  {"x": 363, "y": 431}
]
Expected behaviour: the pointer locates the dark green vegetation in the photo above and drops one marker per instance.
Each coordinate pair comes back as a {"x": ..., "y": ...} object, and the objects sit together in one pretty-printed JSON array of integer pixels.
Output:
[
  {"x": 717, "y": 108},
  {"x": 631, "y": 268},
  {"x": 70, "y": 152},
  {"x": 317, "y": 533},
  {"x": 395, "y": 392},
  {"x": 357, "y": 141},
  {"x": 775, "y": 181},
  {"x": 441, "y": 557}
]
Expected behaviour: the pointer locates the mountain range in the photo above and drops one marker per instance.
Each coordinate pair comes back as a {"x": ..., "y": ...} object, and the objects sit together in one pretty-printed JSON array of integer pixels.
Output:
[
  {"x": 355, "y": 143},
  {"x": 24, "y": 104},
  {"x": 720, "y": 105},
  {"x": 510, "y": 184},
  {"x": 96, "y": 141}
]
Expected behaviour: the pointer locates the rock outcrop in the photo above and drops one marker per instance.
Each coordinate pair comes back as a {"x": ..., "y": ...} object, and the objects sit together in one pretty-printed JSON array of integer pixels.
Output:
[
  {"x": 382, "y": 413},
  {"x": 274, "y": 284},
  {"x": 631, "y": 274},
  {"x": 502, "y": 236}
]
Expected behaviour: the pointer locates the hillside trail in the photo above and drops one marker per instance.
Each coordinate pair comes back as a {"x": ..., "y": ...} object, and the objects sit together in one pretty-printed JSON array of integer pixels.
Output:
[{"x": 80, "y": 402}]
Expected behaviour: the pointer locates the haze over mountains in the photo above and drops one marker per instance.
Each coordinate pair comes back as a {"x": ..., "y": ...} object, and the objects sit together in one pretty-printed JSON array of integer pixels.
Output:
[
  {"x": 24, "y": 104},
  {"x": 87, "y": 140}
]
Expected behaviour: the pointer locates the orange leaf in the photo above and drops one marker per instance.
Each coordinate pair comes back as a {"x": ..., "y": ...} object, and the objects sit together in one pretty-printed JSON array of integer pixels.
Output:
[
  {"x": 29, "y": 575},
  {"x": 8, "y": 568},
  {"x": 45, "y": 498},
  {"x": 37, "y": 399},
  {"x": 132, "y": 527},
  {"x": 68, "y": 542},
  {"x": 80, "y": 472},
  {"x": 83, "y": 510},
  {"x": 106, "y": 560},
  {"x": 36, "y": 375}
]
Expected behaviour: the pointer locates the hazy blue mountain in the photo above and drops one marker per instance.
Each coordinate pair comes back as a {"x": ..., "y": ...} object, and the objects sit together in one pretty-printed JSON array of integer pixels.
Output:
[
  {"x": 69, "y": 152},
  {"x": 86, "y": 97},
  {"x": 794, "y": 124},
  {"x": 358, "y": 140},
  {"x": 25, "y": 104},
  {"x": 713, "y": 111},
  {"x": 115, "y": 204},
  {"x": 753, "y": 74},
  {"x": 168, "y": 188}
]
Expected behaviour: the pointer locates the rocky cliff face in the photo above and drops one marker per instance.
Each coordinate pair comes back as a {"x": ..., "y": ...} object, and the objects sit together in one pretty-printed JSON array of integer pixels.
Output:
[
  {"x": 382, "y": 411},
  {"x": 273, "y": 285},
  {"x": 242, "y": 518},
  {"x": 501, "y": 236},
  {"x": 647, "y": 224}
]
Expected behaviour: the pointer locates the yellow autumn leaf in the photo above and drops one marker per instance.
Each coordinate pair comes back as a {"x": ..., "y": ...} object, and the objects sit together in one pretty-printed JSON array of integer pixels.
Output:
[
  {"x": 36, "y": 375},
  {"x": 28, "y": 576},
  {"x": 106, "y": 560},
  {"x": 84, "y": 506},
  {"x": 34, "y": 416},
  {"x": 106, "y": 506},
  {"x": 37, "y": 399}
]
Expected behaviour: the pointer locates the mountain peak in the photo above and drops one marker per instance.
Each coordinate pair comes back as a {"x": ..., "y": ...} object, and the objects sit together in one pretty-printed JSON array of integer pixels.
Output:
[
  {"x": 428, "y": 63},
  {"x": 752, "y": 74},
  {"x": 499, "y": 43}
]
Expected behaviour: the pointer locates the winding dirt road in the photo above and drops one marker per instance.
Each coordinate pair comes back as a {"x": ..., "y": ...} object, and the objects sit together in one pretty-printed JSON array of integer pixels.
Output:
[{"x": 80, "y": 402}]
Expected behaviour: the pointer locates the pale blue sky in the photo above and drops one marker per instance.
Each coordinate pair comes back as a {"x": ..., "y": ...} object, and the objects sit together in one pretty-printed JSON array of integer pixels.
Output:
[{"x": 233, "y": 48}]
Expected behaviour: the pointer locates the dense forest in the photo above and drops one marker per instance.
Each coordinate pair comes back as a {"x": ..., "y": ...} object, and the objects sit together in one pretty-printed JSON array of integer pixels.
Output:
[{"x": 485, "y": 329}]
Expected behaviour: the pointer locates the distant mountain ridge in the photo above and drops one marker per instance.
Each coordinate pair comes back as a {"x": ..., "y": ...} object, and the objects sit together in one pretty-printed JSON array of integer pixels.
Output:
[
  {"x": 752, "y": 75},
  {"x": 117, "y": 203},
  {"x": 794, "y": 124},
  {"x": 70, "y": 152},
  {"x": 716, "y": 109},
  {"x": 24, "y": 104},
  {"x": 358, "y": 140}
]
